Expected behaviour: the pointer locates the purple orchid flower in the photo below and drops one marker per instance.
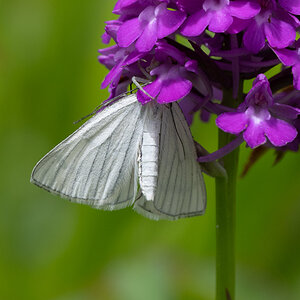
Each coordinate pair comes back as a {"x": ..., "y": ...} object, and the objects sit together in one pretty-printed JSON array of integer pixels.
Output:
[
  {"x": 173, "y": 81},
  {"x": 171, "y": 84},
  {"x": 272, "y": 23},
  {"x": 153, "y": 23},
  {"x": 218, "y": 16},
  {"x": 259, "y": 117}
]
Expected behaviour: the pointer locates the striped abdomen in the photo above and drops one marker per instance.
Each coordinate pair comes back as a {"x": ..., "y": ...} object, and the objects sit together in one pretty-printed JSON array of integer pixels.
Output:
[{"x": 149, "y": 152}]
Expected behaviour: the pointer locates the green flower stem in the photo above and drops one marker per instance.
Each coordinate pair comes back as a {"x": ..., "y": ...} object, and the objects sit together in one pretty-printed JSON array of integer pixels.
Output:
[{"x": 225, "y": 218}]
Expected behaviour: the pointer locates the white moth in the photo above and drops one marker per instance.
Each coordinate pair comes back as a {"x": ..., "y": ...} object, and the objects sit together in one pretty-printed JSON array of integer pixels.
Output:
[{"x": 101, "y": 163}]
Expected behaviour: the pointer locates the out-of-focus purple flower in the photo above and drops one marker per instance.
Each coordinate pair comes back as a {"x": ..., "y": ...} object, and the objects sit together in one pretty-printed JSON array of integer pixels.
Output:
[
  {"x": 194, "y": 102},
  {"x": 291, "y": 58},
  {"x": 272, "y": 23},
  {"x": 259, "y": 117},
  {"x": 218, "y": 16},
  {"x": 153, "y": 23}
]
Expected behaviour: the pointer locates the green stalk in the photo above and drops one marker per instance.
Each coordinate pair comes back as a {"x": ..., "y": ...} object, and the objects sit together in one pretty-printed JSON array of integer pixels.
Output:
[{"x": 225, "y": 217}]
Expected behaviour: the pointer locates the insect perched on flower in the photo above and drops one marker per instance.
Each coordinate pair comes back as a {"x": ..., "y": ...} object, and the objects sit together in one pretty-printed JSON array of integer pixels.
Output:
[
  {"x": 101, "y": 162},
  {"x": 138, "y": 149},
  {"x": 194, "y": 58}
]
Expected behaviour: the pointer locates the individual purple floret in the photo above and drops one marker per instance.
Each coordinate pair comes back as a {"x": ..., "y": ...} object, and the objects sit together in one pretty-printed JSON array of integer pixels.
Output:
[
  {"x": 173, "y": 80},
  {"x": 218, "y": 16},
  {"x": 153, "y": 23},
  {"x": 272, "y": 23},
  {"x": 170, "y": 85},
  {"x": 259, "y": 117}
]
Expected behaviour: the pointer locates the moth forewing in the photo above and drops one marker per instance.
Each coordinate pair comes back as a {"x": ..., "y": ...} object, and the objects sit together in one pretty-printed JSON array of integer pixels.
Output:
[{"x": 95, "y": 165}]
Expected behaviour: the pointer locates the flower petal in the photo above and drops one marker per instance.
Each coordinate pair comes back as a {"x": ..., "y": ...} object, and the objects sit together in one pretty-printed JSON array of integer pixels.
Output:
[
  {"x": 232, "y": 122},
  {"x": 292, "y": 6},
  {"x": 280, "y": 132},
  {"x": 254, "y": 37},
  {"x": 283, "y": 111},
  {"x": 128, "y": 32},
  {"x": 196, "y": 23},
  {"x": 238, "y": 25},
  {"x": 168, "y": 22},
  {"x": 148, "y": 38},
  {"x": 279, "y": 33},
  {"x": 254, "y": 135},
  {"x": 287, "y": 57},
  {"x": 296, "y": 73},
  {"x": 174, "y": 89},
  {"x": 244, "y": 9},
  {"x": 152, "y": 89},
  {"x": 220, "y": 20},
  {"x": 113, "y": 73}
]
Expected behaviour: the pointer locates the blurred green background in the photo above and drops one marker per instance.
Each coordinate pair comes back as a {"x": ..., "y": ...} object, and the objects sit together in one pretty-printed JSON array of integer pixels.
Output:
[{"x": 53, "y": 249}]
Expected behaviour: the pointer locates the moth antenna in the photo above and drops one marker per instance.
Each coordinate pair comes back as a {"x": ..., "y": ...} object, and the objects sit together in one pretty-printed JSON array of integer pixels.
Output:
[
  {"x": 107, "y": 103},
  {"x": 134, "y": 80},
  {"x": 147, "y": 75}
]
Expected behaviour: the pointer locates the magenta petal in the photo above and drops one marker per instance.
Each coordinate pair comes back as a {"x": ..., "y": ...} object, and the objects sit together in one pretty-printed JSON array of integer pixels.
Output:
[
  {"x": 287, "y": 57},
  {"x": 244, "y": 9},
  {"x": 254, "y": 135},
  {"x": 292, "y": 6},
  {"x": 232, "y": 122},
  {"x": 296, "y": 73},
  {"x": 173, "y": 90},
  {"x": 279, "y": 33},
  {"x": 238, "y": 25},
  {"x": 114, "y": 72},
  {"x": 123, "y": 3},
  {"x": 152, "y": 89},
  {"x": 254, "y": 37},
  {"x": 220, "y": 20},
  {"x": 283, "y": 111},
  {"x": 279, "y": 132},
  {"x": 148, "y": 38},
  {"x": 132, "y": 58},
  {"x": 169, "y": 22},
  {"x": 128, "y": 32},
  {"x": 196, "y": 23}
]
